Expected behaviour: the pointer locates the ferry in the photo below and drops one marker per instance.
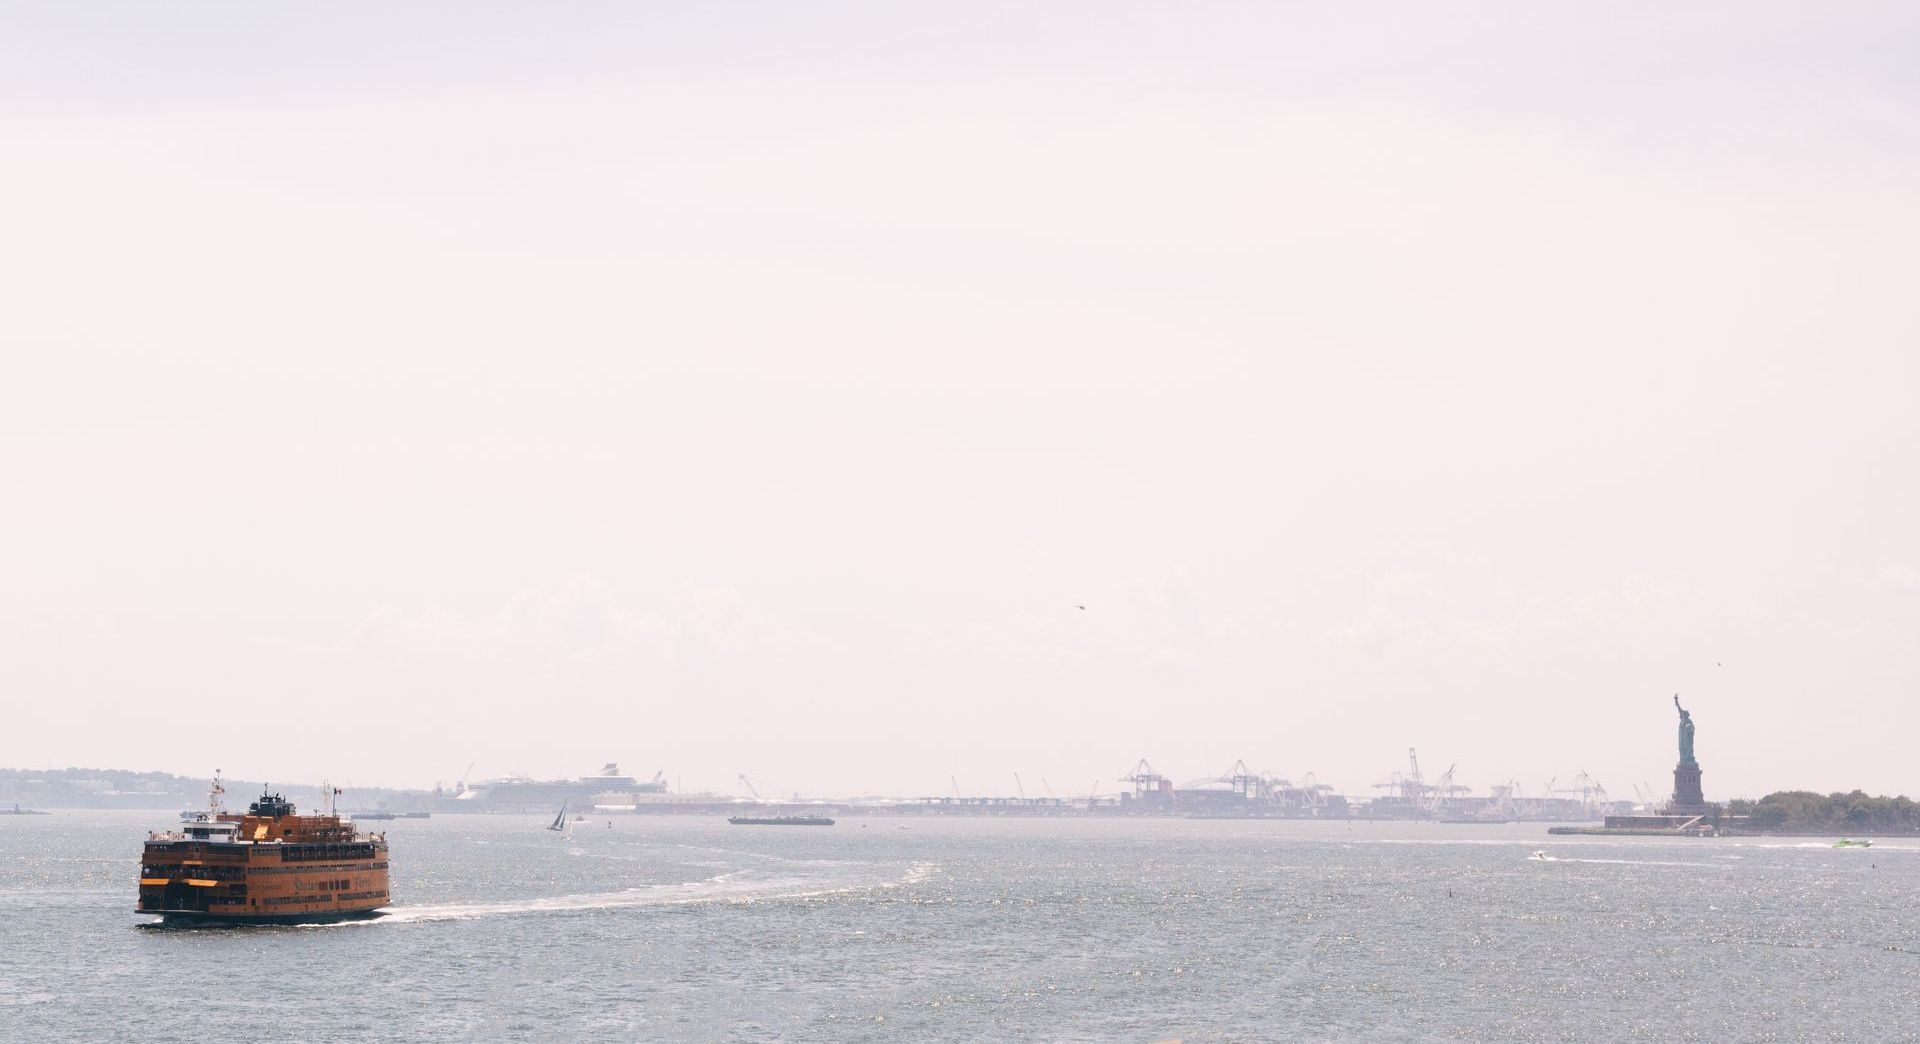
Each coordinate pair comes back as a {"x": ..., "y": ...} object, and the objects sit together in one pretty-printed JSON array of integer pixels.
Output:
[{"x": 269, "y": 866}]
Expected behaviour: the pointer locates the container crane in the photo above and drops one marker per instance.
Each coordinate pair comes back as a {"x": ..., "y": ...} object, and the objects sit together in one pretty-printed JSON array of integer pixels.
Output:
[
  {"x": 1442, "y": 790},
  {"x": 1251, "y": 786},
  {"x": 755, "y": 791},
  {"x": 1394, "y": 785},
  {"x": 1414, "y": 785},
  {"x": 1315, "y": 791},
  {"x": 1146, "y": 781},
  {"x": 1589, "y": 791}
]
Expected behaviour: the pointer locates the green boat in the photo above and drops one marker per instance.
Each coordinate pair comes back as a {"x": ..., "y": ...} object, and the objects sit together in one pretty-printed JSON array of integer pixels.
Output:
[{"x": 1847, "y": 842}]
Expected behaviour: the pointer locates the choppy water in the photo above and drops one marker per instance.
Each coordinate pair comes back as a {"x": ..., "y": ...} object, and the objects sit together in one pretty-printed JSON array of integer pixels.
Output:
[{"x": 679, "y": 928}]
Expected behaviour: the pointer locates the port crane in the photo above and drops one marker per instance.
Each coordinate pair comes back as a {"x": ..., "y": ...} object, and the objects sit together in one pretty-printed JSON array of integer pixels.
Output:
[
  {"x": 1250, "y": 785},
  {"x": 1146, "y": 782},
  {"x": 1316, "y": 792},
  {"x": 1444, "y": 790},
  {"x": 1592, "y": 795},
  {"x": 1410, "y": 787},
  {"x": 755, "y": 791},
  {"x": 1240, "y": 778}
]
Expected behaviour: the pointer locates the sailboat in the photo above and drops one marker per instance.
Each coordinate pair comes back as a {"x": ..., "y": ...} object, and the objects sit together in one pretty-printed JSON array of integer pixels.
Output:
[{"x": 560, "y": 821}]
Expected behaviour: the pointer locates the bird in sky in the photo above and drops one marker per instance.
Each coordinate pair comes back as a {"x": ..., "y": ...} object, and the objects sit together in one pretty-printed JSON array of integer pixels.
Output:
[{"x": 1079, "y": 606}]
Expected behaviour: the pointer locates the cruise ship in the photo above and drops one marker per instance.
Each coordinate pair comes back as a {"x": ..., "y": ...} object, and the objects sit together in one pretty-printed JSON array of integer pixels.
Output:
[
  {"x": 523, "y": 793},
  {"x": 269, "y": 866}
]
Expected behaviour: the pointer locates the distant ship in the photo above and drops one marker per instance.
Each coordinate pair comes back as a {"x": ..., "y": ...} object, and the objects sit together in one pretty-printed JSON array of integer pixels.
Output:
[
  {"x": 16, "y": 810},
  {"x": 525, "y": 794},
  {"x": 1847, "y": 842},
  {"x": 779, "y": 820},
  {"x": 269, "y": 866}
]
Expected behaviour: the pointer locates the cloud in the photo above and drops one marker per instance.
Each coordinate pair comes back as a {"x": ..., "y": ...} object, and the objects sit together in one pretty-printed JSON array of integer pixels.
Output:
[
  {"x": 1899, "y": 577},
  {"x": 581, "y": 621},
  {"x": 1414, "y": 617}
]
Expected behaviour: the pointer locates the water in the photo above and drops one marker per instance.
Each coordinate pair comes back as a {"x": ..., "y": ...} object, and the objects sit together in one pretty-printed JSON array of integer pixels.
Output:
[{"x": 687, "y": 928}]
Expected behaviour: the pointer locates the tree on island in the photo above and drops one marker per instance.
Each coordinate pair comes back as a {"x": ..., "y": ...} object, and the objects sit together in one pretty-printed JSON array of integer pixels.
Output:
[{"x": 1806, "y": 812}]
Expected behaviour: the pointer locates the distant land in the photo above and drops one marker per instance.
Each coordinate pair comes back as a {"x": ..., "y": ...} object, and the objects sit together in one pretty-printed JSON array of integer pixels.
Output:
[
  {"x": 120, "y": 788},
  {"x": 1782, "y": 812}
]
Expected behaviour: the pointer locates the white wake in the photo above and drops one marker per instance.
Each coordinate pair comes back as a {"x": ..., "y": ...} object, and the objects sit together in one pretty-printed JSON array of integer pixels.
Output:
[{"x": 738, "y": 886}]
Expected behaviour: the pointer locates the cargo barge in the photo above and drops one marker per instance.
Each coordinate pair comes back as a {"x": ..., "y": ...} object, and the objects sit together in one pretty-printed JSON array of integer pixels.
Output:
[{"x": 779, "y": 820}]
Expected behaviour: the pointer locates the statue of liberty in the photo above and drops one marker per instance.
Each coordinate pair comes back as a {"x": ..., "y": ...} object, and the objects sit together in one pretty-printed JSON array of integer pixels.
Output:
[{"x": 1686, "y": 732}]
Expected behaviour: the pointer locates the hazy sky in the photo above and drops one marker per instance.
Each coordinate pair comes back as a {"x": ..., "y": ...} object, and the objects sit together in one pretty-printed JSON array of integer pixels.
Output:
[{"x": 758, "y": 388}]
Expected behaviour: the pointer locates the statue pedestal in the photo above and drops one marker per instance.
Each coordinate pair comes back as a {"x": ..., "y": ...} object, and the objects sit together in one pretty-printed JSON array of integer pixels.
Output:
[{"x": 1686, "y": 789}]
